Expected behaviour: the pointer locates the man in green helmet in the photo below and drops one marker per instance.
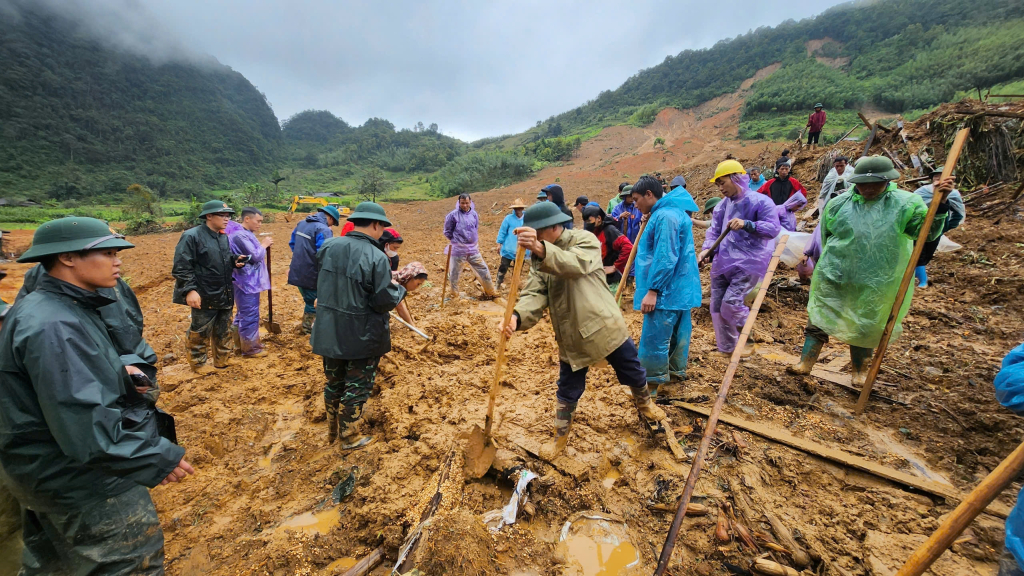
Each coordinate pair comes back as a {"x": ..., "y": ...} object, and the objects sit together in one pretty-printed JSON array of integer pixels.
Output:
[
  {"x": 569, "y": 282},
  {"x": 203, "y": 264},
  {"x": 79, "y": 445},
  {"x": 867, "y": 236},
  {"x": 352, "y": 329}
]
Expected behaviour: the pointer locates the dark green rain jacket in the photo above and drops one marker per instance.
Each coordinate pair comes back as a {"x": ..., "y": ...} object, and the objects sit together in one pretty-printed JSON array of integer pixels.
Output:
[
  {"x": 203, "y": 262},
  {"x": 354, "y": 295},
  {"x": 73, "y": 430},
  {"x": 123, "y": 319}
]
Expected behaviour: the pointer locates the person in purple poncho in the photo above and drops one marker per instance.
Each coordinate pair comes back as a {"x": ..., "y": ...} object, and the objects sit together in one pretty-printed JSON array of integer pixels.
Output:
[
  {"x": 250, "y": 280},
  {"x": 742, "y": 258},
  {"x": 461, "y": 228}
]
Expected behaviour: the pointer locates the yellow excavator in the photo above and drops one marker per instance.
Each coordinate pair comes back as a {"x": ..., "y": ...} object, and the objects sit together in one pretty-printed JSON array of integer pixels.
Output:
[{"x": 317, "y": 200}]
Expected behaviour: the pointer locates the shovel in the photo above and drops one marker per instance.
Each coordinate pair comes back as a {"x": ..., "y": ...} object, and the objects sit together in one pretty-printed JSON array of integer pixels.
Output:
[
  {"x": 269, "y": 324},
  {"x": 479, "y": 448}
]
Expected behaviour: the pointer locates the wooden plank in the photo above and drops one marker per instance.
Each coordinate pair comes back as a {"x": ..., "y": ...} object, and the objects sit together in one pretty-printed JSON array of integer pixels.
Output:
[
  {"x": 837, "y": 378},
  {"x": 673, "y": 442},
  {"x": 856, "y": 462},
  {"x": 870, "y": 140}
]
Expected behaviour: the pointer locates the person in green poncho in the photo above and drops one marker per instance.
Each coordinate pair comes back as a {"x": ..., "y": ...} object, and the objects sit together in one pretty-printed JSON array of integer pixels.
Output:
[{"x": 867, "y": 236}]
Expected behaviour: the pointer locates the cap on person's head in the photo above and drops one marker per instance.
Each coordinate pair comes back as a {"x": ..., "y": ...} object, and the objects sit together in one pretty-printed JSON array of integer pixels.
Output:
[
  {"x": 678, "y": 181},
  {"x": 581, "y": 200},
  {"x": 215, "y": 207},
  {"x": 818, "y": 105},
  {"x": 591, "y": 211},
  {"x": 544, "y": 215},
  {"x": 330, "y": 211},
  {"x": 726, "y": 168},
  {"x": 369, "y": 211},
  {"x": 72, "y": 234},
  {"x": 542, "y": 194},
  {"x": 937, "y": 171},
  {"x": 711, "y": 203},
  {"x": 518, "y": 204},
  {"x": 391, "y": 236},
  {"x": 592, "y": 203},
  {"x": 873, "y": 169},
  {"x": 626, "y": 191}
]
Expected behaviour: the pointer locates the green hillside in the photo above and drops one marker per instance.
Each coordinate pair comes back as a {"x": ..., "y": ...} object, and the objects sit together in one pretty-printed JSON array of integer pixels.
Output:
[
  {"x": 80, "y": 120},
  {"x": 897, "y": 55}
]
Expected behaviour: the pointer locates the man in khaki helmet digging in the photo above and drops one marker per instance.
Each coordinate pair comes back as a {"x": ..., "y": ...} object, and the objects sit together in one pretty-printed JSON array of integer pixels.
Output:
[{"x": 569, "y": 281}]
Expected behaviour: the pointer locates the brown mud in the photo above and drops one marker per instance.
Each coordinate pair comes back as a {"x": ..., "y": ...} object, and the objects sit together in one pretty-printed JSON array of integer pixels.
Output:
[{"x": 261, "y": 501}]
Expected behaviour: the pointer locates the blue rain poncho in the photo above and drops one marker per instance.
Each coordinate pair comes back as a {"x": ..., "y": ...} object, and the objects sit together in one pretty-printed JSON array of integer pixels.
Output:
[
  {"x": 1009, "y": 384},
  {"x": 665, "y": 259},
  {"x": 866, "y": 246}
]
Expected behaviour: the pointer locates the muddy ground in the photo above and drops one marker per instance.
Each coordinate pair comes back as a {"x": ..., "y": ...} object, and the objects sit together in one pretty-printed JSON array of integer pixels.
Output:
[{"x": 261, "y": 501}]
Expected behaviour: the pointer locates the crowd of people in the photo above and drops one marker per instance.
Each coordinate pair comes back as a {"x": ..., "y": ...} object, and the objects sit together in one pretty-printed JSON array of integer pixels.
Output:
[{"x": 81, "y": 439}]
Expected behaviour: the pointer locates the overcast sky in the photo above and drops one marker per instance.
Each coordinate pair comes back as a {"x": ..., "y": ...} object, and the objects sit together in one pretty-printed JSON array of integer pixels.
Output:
[{"x": 476, "y": 68}]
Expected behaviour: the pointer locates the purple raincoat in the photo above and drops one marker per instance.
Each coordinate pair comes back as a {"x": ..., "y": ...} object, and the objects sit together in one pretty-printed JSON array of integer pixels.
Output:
[
  {"x": 461, "y": 228},
  {"x": 742, "y": 257},
  {"x": 813, "y": 253},
  {"x": 748, "y": 251},
  {"x": 251, "y": 278}
]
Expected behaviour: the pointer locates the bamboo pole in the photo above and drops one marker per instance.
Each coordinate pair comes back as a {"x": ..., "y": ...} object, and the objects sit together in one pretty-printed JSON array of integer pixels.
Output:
[
  {"x": 922, "y": 237},
  {"x": 709, "y": 430},
  {"x": 964, "y": 514},
  {"x": 513, "y": 295},
  {"x": 629, "y": 263},
  {"x": 447, "y": 265}
]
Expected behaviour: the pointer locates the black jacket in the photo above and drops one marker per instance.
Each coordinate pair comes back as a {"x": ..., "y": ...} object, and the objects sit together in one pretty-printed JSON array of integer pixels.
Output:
[
  {"x": 354, "y": 295},
  {"x": 71, "y": 432},
  {"x": 203, "y": 262}
]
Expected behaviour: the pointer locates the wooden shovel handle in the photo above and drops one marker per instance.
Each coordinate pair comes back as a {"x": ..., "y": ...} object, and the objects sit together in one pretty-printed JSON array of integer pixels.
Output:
[
  {"x": 513, "y": 296},
  {"x": 447, "y": 264},
  {"x": 629, "y": 263}
]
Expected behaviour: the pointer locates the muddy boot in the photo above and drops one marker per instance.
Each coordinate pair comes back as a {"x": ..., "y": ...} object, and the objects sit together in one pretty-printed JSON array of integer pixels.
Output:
[
  {"x": 348, "y": 429},
  {"x": 236, "y": 340},
  {"x": 223, "y": 351},
  {"x": 649, "y": 412},
  {"x": 332, "y": 423},
  {"x": 563, "y": 424},
  {"x": 860, "y": 362},
  {"x": 653, "y": 388},
  {"x": 501, "y": 278},
  {"x": 307, "y": 322},
  {"x": 197, "y": 353},
  {"x": 748, "y": 300},
  {"x": 812, "y": 348}
]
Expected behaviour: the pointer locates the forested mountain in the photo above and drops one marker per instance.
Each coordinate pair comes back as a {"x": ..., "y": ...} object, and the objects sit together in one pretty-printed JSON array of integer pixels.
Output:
[
  {"x": 80, "y": 119},
  {"x": 894, "y": 54}
]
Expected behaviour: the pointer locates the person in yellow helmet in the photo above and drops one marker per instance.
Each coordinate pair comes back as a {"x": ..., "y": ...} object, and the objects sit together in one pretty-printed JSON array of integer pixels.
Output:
[{"x": 741, "y": 259}]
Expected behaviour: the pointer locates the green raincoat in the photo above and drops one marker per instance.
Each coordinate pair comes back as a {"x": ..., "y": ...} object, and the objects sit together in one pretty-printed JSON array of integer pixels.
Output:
[
  {"x": 866, "y": 246},
  {"x": 570, "y": 281},
  {"x": 203, "y": 262},
  {"x": 73, "y": 431}
]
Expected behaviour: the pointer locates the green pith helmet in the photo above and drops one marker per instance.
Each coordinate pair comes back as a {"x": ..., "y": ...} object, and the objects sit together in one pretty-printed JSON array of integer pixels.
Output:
[
  {"x": 330, "y": 211},
  {"x": 818, "y": 105},
  {"x": 369, "y": 211},
  {"x": 874, "y": 169},
  {"x": 711, "y": 203},
  {"x": 542, "y": 195},
  {"x": 626, "y": 191},
  {"x": 72, "y": 234},
  {"x": 937, "y": 171},
  {"x": 544, "y": 215},
  {"x": 215, "y": 207}
]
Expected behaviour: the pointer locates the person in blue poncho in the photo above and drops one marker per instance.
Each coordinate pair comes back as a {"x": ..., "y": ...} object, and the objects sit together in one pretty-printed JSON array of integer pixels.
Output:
[
  {"x": 678, "y": 188},
  {"x": 507, "y": 240},
  {"x": 667, "y": 282},
  {"x": 1009, "y": 385}
]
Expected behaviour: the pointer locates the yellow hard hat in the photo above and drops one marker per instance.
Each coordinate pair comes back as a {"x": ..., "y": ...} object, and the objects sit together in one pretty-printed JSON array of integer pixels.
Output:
[{"x": 726, "y": 168}]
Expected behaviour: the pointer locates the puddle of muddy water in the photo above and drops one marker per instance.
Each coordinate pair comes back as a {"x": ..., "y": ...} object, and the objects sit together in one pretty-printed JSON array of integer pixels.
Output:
[
  {"x": 610, "y": 478},
  {"x": 339, "y": 565},
  {"x": 600, "y": 558},
  {"x": 314, "y": 522}
]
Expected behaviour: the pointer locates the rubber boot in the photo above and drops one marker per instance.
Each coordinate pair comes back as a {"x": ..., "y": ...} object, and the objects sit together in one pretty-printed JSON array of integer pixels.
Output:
[
  {"x": 332, "y": 423},
  {"x": 647, "y": 409},
  {"x": 222, "y": 351},
  {"x": 922, "y": 276},
  {"x": 860, "y": 362},
  {"x": 307, "y": 322},
  {"x": 501, "y": 278},
  {"x": 812, "y": 349},
  {"x": 653, "y": 387},
  {"x": 197, "y": 353},
  {"x": 348, "y": 429},
  {"x": 236, "y": 339},
  {"x": 564, "y": 412}
]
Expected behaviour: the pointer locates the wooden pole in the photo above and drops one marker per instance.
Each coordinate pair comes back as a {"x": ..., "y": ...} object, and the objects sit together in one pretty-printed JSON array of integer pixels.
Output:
[
  {"x": 908, "y": 275},
  {"x": 964, "y": 514},
  {"x": 447, "y": 265},
  {"x": 513, "y": 295},
  {"x": 629, "y": 263},
  {"x": 709, "y": 430},
  {"x": 870, "y": 140}
]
